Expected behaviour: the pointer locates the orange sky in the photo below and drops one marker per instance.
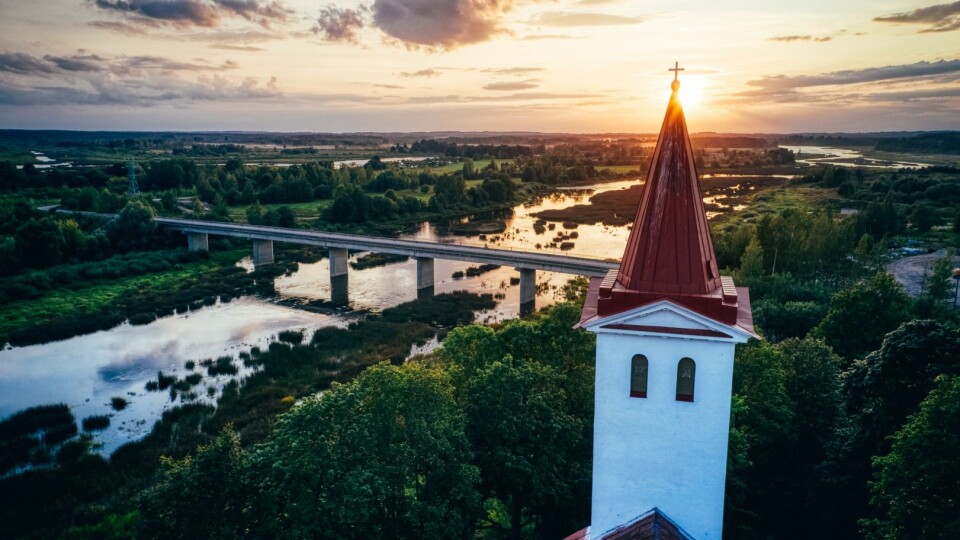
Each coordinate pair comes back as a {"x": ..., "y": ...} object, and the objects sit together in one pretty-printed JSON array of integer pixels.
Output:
[{"x": 416, "y": 65}]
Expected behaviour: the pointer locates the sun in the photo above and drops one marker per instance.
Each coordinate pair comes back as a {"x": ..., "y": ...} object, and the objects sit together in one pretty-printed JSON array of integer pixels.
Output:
[{"x": 691, "y": 91}]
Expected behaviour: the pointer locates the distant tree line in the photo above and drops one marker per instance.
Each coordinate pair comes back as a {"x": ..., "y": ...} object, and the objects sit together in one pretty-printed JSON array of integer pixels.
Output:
[{"x": 924, "y": 143}]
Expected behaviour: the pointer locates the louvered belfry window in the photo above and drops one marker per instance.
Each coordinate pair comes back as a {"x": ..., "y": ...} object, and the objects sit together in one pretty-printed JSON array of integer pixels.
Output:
[
  {"x": 638, "y": 376},
  {"x": 686, "y": 376}
]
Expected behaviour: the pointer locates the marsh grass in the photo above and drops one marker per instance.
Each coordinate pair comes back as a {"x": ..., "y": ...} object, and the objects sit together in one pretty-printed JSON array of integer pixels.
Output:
[{"x": 97, "y": 422}]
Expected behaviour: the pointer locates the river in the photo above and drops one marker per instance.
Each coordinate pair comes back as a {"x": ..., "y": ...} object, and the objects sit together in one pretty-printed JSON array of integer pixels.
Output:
[
  {"x": 85, "y": 372},
  {"x": 844, "y": 157}
]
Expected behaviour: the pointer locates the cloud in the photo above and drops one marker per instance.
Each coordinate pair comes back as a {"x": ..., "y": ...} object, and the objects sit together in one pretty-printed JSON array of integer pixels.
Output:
[
  {"x": 443, "y": 24},
  {"x": 788, "y": 39},
  {"x": 520, "y": 96},
  {"x": 24, "y": 64},
  {"x": 88, "y": 62},
  {"x": 430, "y": 72},
  {"x": 126, "y": 29},
  {"x": 339, "y": 24},
  {"x": 533, "y": 37},
  {"x": 200, "y": 13},
  {"x": 180, "y": 12},
  {"x": 915, "y": 95},
  {"x": 513, "y": 85},
  {"x": 229, "y": 47},
  {"x": 262, "y": 13},
  {"x": 107, "y": 89},
  {"x": 513, "y": 70},
  {"x": 940, "y": 17},
  {"x": 139, "y": 64},
  {"x": 569, "y": 18},
  {"x": 868, "y": 75}
]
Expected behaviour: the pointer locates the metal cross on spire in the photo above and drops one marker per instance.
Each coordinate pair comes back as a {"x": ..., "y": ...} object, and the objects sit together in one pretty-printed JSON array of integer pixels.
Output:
[{"x": 676, "y": 69}]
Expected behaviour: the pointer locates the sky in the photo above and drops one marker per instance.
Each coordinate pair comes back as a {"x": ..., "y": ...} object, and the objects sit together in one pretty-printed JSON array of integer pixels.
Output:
[{"x": 577, "y": 66}]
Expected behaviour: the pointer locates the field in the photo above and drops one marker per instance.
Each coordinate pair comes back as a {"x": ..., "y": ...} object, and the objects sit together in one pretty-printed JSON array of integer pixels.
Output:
[{"x": 477, "y": 165}]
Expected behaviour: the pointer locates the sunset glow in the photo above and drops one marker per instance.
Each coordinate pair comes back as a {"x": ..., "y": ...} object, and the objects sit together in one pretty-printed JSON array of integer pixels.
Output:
[{"x": 409, "y": 65}]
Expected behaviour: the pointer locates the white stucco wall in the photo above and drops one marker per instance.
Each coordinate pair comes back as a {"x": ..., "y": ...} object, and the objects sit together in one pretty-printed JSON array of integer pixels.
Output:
[{"x": 656, "y": 451}]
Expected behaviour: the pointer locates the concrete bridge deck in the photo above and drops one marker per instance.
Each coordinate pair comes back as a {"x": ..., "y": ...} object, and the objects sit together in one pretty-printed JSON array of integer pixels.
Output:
[
  {"x": 339, "y": 245},
  {"x": 395, "y": 246}
]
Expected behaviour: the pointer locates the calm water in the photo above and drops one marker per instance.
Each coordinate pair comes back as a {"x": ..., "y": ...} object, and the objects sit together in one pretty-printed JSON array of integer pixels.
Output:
[
  {"x": 85, "y": 372},
  {"x": 844, "y": 157}
]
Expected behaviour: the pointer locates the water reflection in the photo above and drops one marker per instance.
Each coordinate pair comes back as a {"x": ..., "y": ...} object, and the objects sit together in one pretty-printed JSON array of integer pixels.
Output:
[
  {"x": 379, "y": 288},
  {"x": 85, "y": 372}
]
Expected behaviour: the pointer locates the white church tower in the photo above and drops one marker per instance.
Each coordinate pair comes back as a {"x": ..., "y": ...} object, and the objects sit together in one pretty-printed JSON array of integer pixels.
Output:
[{"x": 667, "y": 324}]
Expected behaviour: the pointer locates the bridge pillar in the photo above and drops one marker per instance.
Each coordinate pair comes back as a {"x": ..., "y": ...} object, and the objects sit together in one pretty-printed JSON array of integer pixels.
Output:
[
  {"x": 339, "y": 257},
  {"x": 340, "y": 290},
  {"x": 262, "y": 252},
  {"x": 424, "y": 277},
  {"x": 198, "y": 241},
  {"x": 528, "y": 290}
]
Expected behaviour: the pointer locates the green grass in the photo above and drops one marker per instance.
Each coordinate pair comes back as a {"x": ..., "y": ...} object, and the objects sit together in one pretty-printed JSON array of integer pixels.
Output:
[
  {"x": 17, "y": 156},
  {"x": 303, "y": 211},
  {"x": 477, "y": 165},
  {"x": 776, "y": 201},
  {"x": 620, "y": 169},
  {"x": 94, "y": 299}
]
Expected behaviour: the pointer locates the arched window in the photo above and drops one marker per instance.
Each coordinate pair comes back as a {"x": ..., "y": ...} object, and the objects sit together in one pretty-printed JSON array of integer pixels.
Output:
[
  {"x": 686, "y": 375},
  {"x": 638, "y": 376}
]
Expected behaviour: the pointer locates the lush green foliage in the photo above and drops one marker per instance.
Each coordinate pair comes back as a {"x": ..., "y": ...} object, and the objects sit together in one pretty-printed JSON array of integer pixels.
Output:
[
  {"x": 917, "y": 486},
  {"x": 859, "y": 317}
]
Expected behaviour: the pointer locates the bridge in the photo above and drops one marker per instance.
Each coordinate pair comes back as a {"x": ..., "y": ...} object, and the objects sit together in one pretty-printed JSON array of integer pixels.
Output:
[{"x": 339, "y": 244}]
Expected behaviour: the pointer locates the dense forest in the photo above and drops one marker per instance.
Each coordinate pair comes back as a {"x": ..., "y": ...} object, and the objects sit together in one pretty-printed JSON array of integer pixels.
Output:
[{"x": 844, "y": 415}]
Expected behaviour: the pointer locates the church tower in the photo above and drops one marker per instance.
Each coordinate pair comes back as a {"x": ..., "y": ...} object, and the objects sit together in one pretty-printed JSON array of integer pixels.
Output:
[{"x": 667, "y": 324}]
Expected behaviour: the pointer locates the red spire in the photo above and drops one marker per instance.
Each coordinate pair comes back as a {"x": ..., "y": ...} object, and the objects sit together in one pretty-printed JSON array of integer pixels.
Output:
[
  {"x": 669, "y": 254},
  {"x": 670, "y": 250}
]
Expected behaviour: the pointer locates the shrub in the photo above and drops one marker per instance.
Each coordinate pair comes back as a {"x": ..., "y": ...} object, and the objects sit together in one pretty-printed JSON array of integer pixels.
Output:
[
  {"x": 294, "y": 337},
  {"x": 96, "y": 423},
  {"x": 118, "y": 403},
  {"x": 223, "y": 366}
]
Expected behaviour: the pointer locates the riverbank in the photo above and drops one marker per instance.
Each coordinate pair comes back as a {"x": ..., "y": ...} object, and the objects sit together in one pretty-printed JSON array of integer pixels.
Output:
[
  {"x": 721, "y": 196},
  {"x": 86, "y": 488},
  {"x": 95, "y": 303}
]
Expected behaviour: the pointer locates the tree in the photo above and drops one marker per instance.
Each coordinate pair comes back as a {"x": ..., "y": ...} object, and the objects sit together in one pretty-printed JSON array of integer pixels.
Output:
[
  {"x": 255, "y": 213},
  {"x": 812, "y": 385},
  {"x": 751, "y": 263},
  {"x": 385, "y": 456},
  {"x": 761, "y": 429},
  {"x": 133, "y": 227},
  {"x": 859, "y": 317},
  {"x": 448, "y": 191},
  {"x": 888, "y": 385},
  {"x": 202, "y": 496},
  {"x": 779, "y": 320},
  {"x": 286, "y": 218},
  {"x": 39, "y": 243},
  {"x": 524, "y": 439},
  {"x": 917, "y": 486},
  {"x": 939, "y": 288},
  {"x": 527, "y": 389},
  {"x": 922, "y": 218}
]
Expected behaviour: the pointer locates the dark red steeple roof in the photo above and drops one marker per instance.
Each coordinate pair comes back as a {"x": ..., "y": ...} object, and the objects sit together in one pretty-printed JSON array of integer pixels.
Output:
[
  {"x": 670, "y": 250},
  {"x": 669, "y": 254}
]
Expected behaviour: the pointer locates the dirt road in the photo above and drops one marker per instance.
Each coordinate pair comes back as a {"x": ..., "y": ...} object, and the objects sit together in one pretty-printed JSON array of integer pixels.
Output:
[{"x": 914, "y": 272}]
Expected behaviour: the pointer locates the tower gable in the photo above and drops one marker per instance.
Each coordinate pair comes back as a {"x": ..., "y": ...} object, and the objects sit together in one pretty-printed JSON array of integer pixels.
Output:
[{"x": 667, "y": 319}]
